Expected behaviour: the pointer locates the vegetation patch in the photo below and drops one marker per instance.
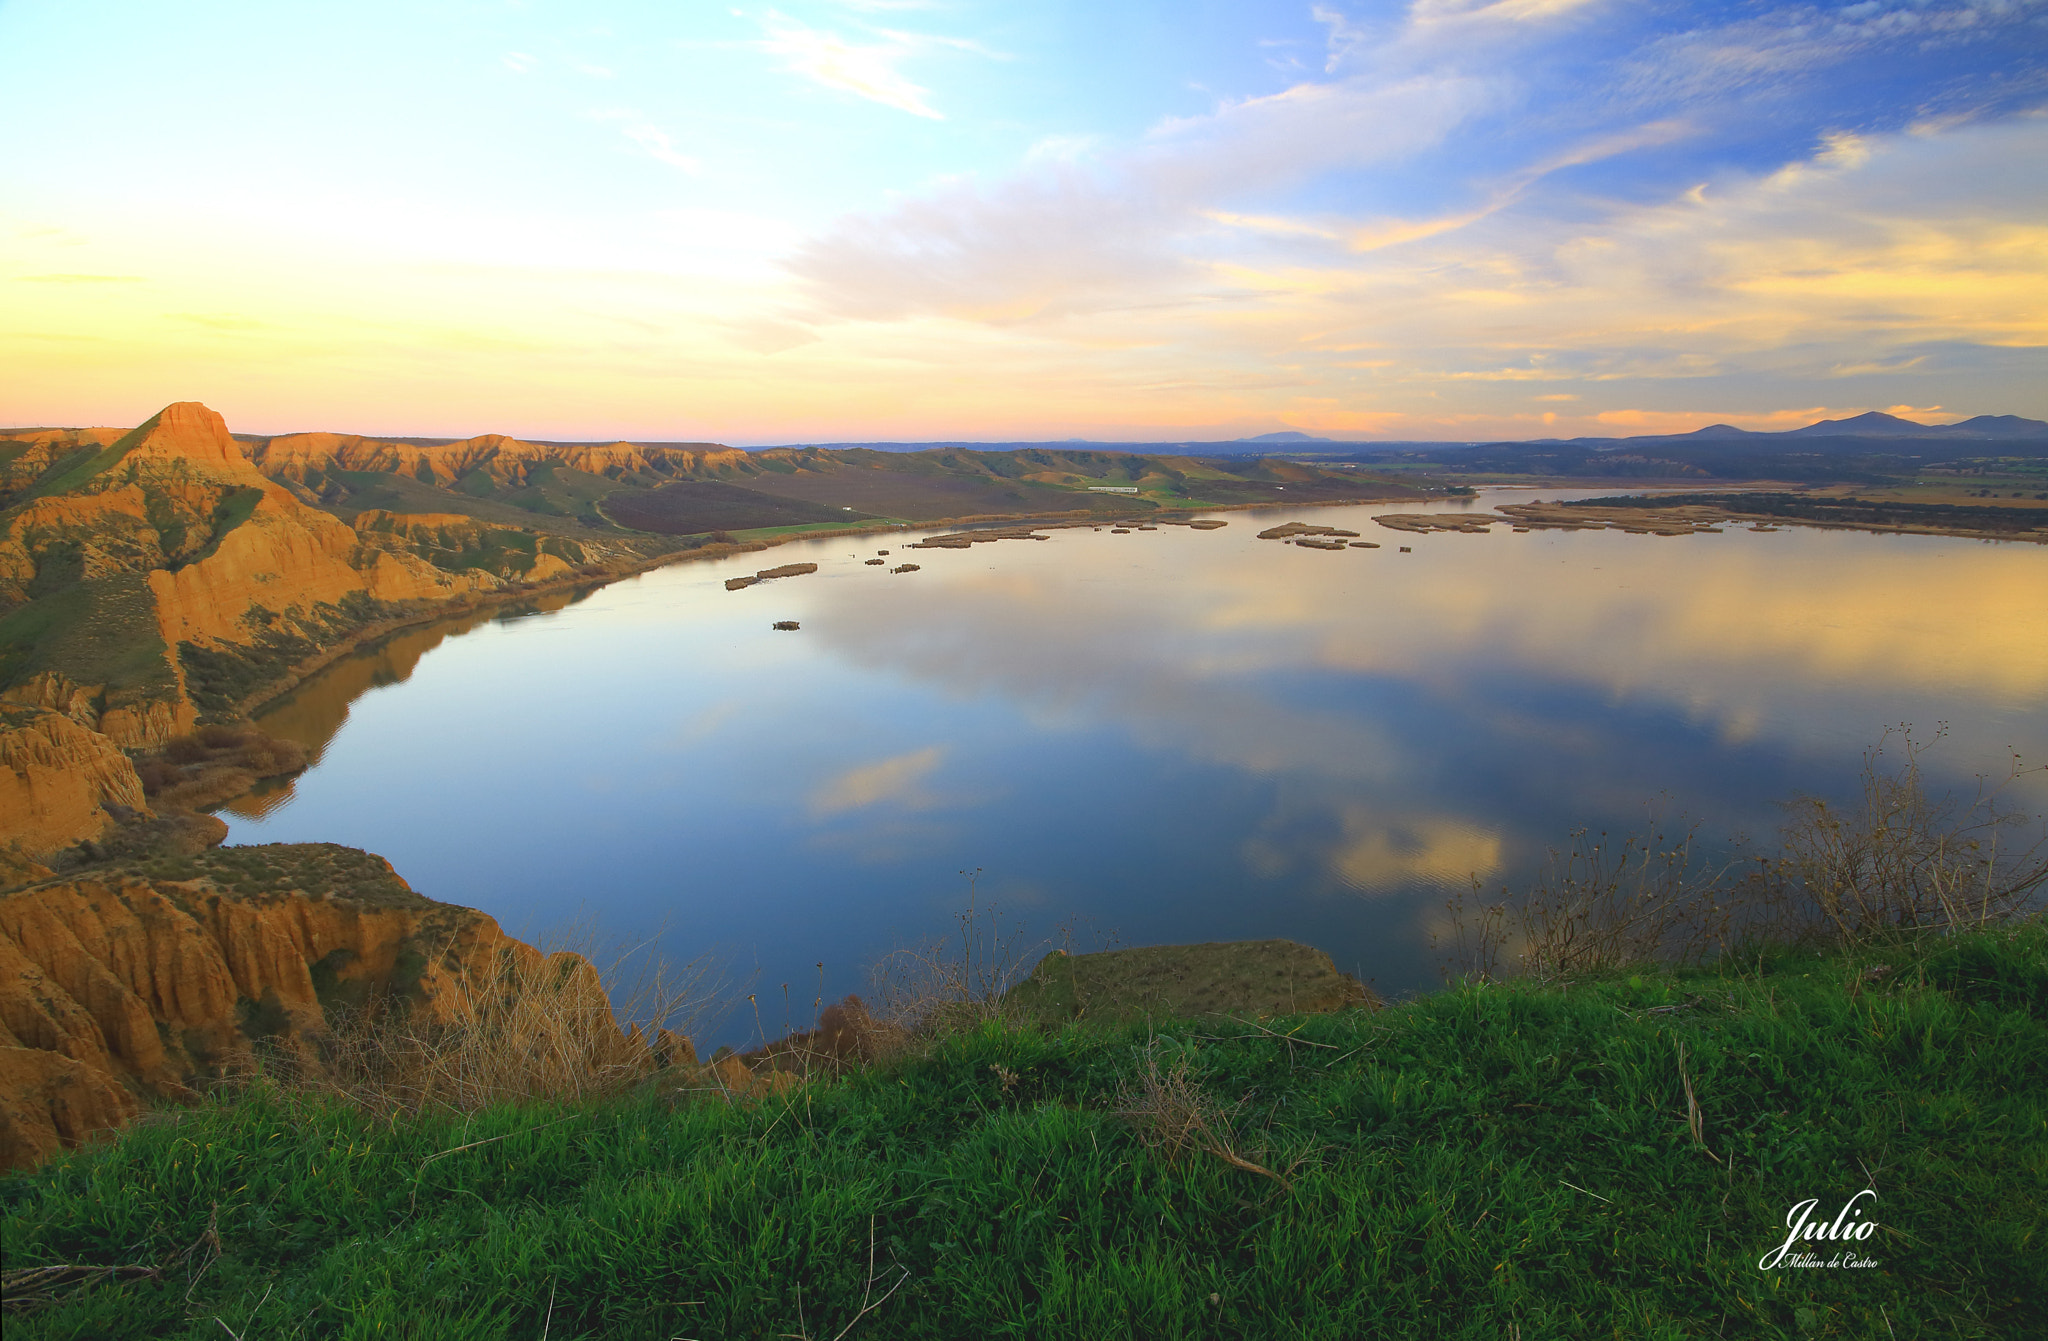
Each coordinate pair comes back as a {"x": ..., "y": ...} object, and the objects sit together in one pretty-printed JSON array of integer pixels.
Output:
[
  {"x": 221, "y": 677},
  {"x": 83, "y": 465},
  {"x": 274, "y": 870},
  {"x": 214, "y": 764},
  {"x": 695, "y": 507},
  {"x": 97, "y": 631}
]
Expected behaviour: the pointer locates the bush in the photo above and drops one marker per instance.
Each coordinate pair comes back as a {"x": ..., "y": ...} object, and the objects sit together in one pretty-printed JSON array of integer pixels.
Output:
[{"x": 1899, "y": 863}]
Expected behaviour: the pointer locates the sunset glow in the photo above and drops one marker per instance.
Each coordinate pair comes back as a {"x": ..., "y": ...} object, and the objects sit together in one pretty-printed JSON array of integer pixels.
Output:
[{"x": 921, "y": 219}]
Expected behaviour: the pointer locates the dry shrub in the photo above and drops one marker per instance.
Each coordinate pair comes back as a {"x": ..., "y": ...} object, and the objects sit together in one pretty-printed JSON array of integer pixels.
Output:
[
  {"x": 1599, "y": 903},
  {"x": 535, "y": 1027},
  {"x": 942, "y": 985},
  {"x": 1173, "y": 1115},
  {"x": 214, "y": 764},
  {"x": 1899, "y": 861},
  {"x": 847, "y": 1036}
]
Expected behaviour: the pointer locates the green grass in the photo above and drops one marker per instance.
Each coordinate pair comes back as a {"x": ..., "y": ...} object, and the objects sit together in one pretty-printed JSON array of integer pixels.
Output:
[
  {"x": 235, "y": 507},
  {"x": 1489, "y": 1161},
  {"x": 97, "y": 631},
  {"x": 76, "y": 469}
]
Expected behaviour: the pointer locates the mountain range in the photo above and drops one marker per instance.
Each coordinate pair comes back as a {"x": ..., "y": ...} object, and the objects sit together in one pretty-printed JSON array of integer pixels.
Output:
[{"x": 1873, "y": 424}]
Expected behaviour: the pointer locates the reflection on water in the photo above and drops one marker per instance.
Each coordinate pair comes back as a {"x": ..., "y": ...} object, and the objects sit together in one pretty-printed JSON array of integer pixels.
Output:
[
  {"x": 313, "y": 712},
  {"x": 1183, "y": 735}
]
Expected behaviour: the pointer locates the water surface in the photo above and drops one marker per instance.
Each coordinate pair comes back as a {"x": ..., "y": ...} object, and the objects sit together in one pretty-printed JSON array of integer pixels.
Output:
[{"x": 1172, "y": 735}]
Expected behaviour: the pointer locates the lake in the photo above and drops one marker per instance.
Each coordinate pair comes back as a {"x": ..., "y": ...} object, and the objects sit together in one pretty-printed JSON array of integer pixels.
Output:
[{"x": 1165, "y": 736}]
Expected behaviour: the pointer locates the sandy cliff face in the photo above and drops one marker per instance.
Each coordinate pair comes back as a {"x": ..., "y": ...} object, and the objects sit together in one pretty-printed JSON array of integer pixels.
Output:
[
  {"x": 154, "y": 579},
  {"x": 152, "y": 980},
  {"x": 508, "y": 461},
  {"x": 450, "y": 540},
  {"x": 282, "y": 555},
  {"x": 27, "y": 453},
  {"x": 56, "y": 779}
]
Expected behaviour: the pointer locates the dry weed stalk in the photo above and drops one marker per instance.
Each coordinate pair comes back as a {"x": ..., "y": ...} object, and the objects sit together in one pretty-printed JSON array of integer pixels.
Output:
[
  {"x": 1695, "y": 1117},
  {"x": 538, "y": 1027},
  {"x": 1172, "y": 1113},
  {"x": 1900, "y": 860},
  {"x": 939, "y": 985},
  {"x": 1599, "y": 903}
]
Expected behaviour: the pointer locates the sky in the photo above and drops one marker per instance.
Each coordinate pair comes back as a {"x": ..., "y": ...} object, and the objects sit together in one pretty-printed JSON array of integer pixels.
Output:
[{"x": 852, "y": 220}]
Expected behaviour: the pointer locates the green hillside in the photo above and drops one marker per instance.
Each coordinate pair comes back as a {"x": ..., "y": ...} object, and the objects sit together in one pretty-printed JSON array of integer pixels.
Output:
[{"x": 1613, "y": 1158}]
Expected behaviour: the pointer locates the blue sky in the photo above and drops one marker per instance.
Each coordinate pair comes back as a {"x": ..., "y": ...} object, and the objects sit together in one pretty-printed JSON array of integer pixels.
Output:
[{"x": 854, "y": 219}]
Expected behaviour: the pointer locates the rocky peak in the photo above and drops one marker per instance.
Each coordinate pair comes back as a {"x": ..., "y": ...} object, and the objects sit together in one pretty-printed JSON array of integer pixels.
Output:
[{"x": 190, "y": 433}]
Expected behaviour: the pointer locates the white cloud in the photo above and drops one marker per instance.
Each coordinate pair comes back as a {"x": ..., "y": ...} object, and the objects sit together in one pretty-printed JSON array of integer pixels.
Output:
[
  {"x": 866, "y": 71},
  {"x": 659, "y": 147},
  {"x": 651, "y": 139},
  {"x": 1065, "y": 235}
]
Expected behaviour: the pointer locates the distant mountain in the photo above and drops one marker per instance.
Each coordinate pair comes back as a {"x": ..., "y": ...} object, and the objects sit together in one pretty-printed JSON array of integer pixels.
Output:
[
  {"x": 1838, "y": 434},
  {"x": 2001, "y": 426},
  {"x": 1877, "y": 424},
  {"x": 1873, "y": 424}
]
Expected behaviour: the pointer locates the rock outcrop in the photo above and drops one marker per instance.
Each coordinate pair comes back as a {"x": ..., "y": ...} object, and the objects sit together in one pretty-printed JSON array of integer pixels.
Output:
[
  {"x": 152, "y": 980},
  {"x": 452, "y": 541},
  {"x": 305, "y": 458},
  {"x": 57, "y": 779}
]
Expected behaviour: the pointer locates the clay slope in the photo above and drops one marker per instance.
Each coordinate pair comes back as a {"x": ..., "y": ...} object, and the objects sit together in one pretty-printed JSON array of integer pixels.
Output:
[{"x": 151, "y": 981}]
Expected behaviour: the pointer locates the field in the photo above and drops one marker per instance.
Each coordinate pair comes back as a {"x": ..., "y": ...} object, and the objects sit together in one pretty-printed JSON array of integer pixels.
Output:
[
  {"x": 919, "y": 496},
  {"x": 695, "y": 507},
  {"x": 1613, "y": 1158}
]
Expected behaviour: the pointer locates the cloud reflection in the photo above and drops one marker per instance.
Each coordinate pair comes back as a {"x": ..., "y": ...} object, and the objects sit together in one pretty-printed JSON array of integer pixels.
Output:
[
  {"x": 898, "y": 781},
  {"x": 1328, "y": 669}
]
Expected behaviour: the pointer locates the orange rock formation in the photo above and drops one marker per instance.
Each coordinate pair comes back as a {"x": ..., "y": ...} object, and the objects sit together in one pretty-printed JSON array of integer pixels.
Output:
[
  {"x": 133, "y": 985},
  {"x": 294, "y": 456},
  {"x": 56, "y": 779}
]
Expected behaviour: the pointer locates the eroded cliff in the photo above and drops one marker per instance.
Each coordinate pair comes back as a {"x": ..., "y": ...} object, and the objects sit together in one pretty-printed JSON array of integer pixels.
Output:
[
  {"x": 152, "y": 980},
  {"x": 57, "y": 780}
]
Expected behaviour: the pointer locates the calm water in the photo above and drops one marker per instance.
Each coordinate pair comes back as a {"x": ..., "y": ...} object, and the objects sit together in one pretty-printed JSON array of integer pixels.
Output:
[{"x": 1175, "y": 735}]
